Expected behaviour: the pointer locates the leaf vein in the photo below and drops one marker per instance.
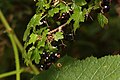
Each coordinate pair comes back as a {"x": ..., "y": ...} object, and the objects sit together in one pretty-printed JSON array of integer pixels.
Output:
[
  {"x": 83, "y": 71},
  {"x": 113, "y": 70},
  {"x": 98, "y": 69},
  {"x": 108, "y": 69}
]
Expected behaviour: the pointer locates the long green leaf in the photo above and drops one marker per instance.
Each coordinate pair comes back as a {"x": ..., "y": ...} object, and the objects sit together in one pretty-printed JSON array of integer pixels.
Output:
[{"x": 105, "y": 68}]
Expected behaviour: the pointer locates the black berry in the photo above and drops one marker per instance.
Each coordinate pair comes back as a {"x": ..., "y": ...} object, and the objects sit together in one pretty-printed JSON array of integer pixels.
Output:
[
  {"x": 44, "y": 55},
  {"x": 56, "y": 44},
  {"x": 44, "y": 66},
  {"x": 57, "y": 55},
  {"x": 68, "y": 37},
  {"x": 52, "y": 58},
  {"x": 64, "y": 16},
  {"x": 47, "y": 60},
  {"x": 106, "y": 9}
]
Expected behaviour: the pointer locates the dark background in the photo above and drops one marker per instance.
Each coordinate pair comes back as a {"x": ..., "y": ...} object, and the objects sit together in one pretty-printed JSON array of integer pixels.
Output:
[{"x": 90, "y": 39}]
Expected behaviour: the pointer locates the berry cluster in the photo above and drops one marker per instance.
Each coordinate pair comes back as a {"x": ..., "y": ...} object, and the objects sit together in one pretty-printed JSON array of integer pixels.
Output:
[
  {"x": 47, "y": 60},
  {"x": 69, "y": 37},
  {"x": 105, "y": 6},
  {"x": 63, "y": 17}
]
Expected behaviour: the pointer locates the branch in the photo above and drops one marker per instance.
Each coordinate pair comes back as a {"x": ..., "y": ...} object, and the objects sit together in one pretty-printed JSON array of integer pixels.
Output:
[
  {"x": 10, "y": 34},
  {"x": 58, "y": 28},
  {"x": 11, "y": 73},
  {"x": 14, "y": 37}
]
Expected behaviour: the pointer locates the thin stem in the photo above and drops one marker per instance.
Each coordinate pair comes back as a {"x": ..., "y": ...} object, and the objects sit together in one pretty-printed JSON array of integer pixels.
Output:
[
  {"x": 10, "y": 34},
  {"x": 33, "y": 67},
  {"x": 11, "y": 73},
  {"x": 9, "y": 30},
  {"x": 16, "y": 57},
  {"x": 18, "y": 43},
  {"x": 4, "y": 21},
  {"x": 58, "y": 28}
]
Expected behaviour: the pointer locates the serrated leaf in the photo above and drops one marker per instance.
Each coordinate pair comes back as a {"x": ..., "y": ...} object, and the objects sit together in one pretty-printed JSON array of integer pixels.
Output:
[
  {"x": 28, "y": 55},
  {"x": 41, "y": 43},
  {"x": 64, "y": 8},
  {"x": 102, "y": 20},
  {"x": 80, "y": 2},
  {"x": 76, "y": 25},
  {"x": 50, "y": 47},
  {"x": 47, "y": 6},
  {"x": 30, "y": 51},
  {"x": 35, "y": 20},
  {"x": 33, "y": 38},
  {"x": 105, "y": 68},
  {"x": 53, "y": 11},
  {"x": 58, "y": 35},
  {"x": 41, "y": 4},
  {"x": 77, "y": 16},
  {"x": 41, "y": 30},
  {"x": 36, "y": 56}
]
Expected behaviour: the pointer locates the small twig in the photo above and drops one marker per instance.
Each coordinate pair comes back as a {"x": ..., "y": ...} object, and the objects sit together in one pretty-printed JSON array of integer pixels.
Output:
[
  {"x": 58, "y": 28},
  {"x": 43, "y": 16}
]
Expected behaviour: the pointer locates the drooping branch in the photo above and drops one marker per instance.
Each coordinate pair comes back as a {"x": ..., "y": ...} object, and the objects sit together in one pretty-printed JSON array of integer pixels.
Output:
[{"x": 14, "y": 37}]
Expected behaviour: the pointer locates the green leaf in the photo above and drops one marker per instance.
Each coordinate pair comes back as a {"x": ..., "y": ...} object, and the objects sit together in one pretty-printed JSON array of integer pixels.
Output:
[
  {"x": 36, "y": 56},
  {"x": 77, "y": 16},
  {"x": 76, "y": 25},
  {"x": 41, "y": 30},
  {"x": 35, "y": 20},
  {"x": 28, "y": 55},
  {"x": 97, "y": 1},
  {"x": 102, "y": 20},
  {"x": 53, "y": 11},
  {"x": 41, "y": 43},
  {"x": 105, "y": 68},
  {"x": 80, "y": 2},
  {"x": 58, "y": 35},
  {"x": 33, "y": 38},
  {"x": 51, "y": 48},
  {"x": 43, "y": 4},
  {"x": 64, "y": 8}
]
